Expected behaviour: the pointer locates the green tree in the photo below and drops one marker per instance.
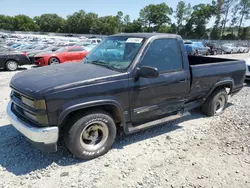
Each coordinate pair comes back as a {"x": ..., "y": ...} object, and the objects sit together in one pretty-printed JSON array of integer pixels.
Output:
[
  {"x": 119, "y": 18},
  {"x": 234, "y": 19},
  {"x": 156, "y": 15},
  {"x": 245, "y": 33},
  {"x": 75, "y": 22},
  {"x": 225, "y": 10},
  {"x": 24, "y": 23},
  {"x": 89, "y": 20},
  {"x": 244, "y": 12},
  {"x": 50, "y": 22},
  {"x": 126, "y": 20},
  {"x": 133, "y": 27},
  {"x": 229, "y": 37},
  {"x": 199, "y": 18},
  {"x": 215, "y": 33},
  {"x": 182, "y": 14},
  {"x": 7, "y": 22}
]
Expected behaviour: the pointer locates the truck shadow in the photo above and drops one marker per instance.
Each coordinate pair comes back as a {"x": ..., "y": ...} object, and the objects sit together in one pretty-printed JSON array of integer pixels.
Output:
[{"x": 17, "y": 155}]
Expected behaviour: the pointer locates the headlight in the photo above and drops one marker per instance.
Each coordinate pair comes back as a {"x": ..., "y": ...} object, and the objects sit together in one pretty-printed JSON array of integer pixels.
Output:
[{"x": 36, "y": 104}]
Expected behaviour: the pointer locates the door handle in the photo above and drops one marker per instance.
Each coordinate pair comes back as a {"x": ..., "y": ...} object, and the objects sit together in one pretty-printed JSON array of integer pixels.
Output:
[{"x": 183, "y": 81}]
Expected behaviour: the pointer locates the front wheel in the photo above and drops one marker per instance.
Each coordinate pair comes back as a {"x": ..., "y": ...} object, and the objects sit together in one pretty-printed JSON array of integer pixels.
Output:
[
  {"x": 90, "y": 135},
  {"x": 215, "y": 103}
]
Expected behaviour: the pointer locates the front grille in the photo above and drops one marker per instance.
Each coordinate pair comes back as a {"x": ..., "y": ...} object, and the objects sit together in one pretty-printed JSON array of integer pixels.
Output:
[{"x": 18, "y": 109}]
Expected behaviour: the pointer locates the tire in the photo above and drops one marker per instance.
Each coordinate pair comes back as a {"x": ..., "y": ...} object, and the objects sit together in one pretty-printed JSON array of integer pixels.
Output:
[
  {"x": 11, "y": 65},
  {"x": 54, "y": 61},
  {"x": 215, "y": 103},
  {"x": 90, "y": 135}
]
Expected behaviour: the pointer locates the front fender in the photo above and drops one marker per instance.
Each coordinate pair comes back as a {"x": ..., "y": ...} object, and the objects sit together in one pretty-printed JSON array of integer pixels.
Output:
[{"x": 77, "y": 105}]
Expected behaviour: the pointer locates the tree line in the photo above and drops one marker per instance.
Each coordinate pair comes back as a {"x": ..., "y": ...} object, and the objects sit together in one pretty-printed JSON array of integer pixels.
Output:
[{"x": 190, "y": 21}]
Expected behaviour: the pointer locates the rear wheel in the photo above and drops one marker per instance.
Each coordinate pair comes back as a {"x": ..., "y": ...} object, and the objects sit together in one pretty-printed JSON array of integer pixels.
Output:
[
  {"x": 11, "y": 65},
  {"x": 215, "y": 103},
  {"x": 53, "y": 61},
  {"x": 90, "y": 135}
]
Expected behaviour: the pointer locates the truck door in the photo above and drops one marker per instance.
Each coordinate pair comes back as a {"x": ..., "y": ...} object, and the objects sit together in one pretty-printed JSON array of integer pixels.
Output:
[{"x": 151, "y": 98}]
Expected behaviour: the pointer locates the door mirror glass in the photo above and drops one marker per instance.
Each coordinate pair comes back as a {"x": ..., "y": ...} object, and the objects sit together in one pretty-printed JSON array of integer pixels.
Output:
[{"x": 148, "y": 72}]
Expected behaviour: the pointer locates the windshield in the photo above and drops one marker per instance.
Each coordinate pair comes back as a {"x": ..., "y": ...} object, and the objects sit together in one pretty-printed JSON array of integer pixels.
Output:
[{"x": 115, "y": 52}]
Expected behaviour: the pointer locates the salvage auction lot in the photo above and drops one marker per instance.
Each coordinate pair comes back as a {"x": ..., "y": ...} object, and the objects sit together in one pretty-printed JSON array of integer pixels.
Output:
[{"x": 196, "y": 151}]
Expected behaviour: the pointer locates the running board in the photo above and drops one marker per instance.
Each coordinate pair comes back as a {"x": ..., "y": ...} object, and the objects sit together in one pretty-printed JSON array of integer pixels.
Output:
[{"x": 130, "y": 129}]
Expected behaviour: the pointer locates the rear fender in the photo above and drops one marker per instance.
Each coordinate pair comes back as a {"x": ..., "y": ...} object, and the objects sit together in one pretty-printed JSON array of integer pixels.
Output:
[{"x": 225, "y": 82}]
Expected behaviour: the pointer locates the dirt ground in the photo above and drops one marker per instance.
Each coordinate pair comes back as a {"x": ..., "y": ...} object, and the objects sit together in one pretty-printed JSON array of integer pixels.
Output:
[{"x": 196, "y": 151}]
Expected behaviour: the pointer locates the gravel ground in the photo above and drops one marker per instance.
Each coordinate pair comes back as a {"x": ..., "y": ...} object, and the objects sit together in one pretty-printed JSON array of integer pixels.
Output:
[{"x": 196, "y": 152}]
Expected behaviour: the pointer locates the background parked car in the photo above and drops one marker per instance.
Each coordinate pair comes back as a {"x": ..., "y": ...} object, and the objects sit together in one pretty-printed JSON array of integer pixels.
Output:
[
  {"x": 243, "y": 49},
  {"x": 230, "y": 48},
  {"x": 10, "y": 60},
  {"x": 62, "y": 55},
  {"x": 31, "y": 54},
  {"x": 215, "y": 48},
  {"x": 196, "y": 48}
]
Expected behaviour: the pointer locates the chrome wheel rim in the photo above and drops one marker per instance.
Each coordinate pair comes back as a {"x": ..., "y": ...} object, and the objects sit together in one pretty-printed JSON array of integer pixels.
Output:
[
  {"x": 220, "y": 104},
  {"x": 54, "y": 61},
  {"x": 12, "y": 65},
  {"x": 94, "y": 136}
]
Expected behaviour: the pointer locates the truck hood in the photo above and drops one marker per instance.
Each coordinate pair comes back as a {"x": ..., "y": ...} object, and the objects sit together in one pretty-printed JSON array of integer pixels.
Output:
[{"x": 39, "y": 82}]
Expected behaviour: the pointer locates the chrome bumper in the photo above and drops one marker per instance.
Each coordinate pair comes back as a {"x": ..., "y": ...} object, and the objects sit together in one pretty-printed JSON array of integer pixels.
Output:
[{"x": 47, "y": 135}]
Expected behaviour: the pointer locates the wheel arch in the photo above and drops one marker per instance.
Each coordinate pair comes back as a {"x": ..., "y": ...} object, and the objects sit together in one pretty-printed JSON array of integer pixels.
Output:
[
  {"x": 112, "y": 107},
  {"x": 227, "y": 84}
]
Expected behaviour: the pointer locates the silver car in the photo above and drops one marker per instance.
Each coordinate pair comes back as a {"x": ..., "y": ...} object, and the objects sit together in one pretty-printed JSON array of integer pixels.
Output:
[{"x": 230, "y": 48}]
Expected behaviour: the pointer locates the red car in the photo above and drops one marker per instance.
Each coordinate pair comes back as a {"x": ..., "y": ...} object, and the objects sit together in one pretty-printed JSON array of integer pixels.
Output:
[{"x": 65, "y": 54}]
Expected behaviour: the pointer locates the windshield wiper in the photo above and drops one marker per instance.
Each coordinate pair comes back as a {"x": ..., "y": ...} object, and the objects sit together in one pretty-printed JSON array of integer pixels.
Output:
[{"x": 101, "y": 63}]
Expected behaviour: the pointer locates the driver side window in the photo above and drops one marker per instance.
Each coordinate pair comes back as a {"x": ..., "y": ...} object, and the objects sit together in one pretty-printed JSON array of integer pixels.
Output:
[{"x": 163, "y": 54}]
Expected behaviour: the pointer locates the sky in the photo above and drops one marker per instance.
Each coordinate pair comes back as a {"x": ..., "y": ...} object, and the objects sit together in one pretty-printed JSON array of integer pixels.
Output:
[
  {"x": 65, "y": 7},
  {"x": 102, "y": 8}
]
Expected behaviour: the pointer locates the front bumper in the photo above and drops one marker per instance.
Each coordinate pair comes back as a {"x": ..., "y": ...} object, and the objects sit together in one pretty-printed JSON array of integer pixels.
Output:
[{"x": 44, "y": 138}]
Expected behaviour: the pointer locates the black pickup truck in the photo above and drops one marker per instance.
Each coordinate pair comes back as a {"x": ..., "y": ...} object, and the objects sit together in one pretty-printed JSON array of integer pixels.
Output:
[{"x": 127, "y": 83}]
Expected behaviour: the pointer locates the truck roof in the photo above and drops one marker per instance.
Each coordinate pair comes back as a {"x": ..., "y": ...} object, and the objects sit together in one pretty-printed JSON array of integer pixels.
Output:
[{"x": 148, "y": 35}]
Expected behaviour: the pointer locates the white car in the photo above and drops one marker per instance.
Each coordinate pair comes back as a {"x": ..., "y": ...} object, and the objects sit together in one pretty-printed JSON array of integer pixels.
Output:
[
  {"x": 230, "y": 48},
  {"x": 248, "y": 69},
  {"x": 243, "y": 49}
]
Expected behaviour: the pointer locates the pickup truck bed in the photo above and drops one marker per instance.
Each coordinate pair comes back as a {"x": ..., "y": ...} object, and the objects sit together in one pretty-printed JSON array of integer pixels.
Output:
[{"x": 207, "y": 72}]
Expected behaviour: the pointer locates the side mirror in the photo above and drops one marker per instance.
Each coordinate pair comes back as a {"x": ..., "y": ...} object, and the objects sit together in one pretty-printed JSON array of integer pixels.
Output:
[{"x": 148, "y": 72}]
